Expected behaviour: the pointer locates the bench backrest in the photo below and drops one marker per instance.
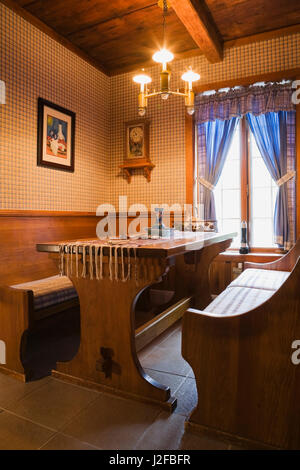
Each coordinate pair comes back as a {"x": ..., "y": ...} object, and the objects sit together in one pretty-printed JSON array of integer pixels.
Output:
[
  {"x": 289, "y": 261},
  {"x": 21, "y": 231}
]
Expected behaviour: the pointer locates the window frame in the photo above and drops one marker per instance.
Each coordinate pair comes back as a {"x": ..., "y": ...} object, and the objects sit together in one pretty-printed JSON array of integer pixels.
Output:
[
  {"x": 293, "y": 74},
  {"x": 246, "y": 190},
  {"x": 245, "y": 175}
]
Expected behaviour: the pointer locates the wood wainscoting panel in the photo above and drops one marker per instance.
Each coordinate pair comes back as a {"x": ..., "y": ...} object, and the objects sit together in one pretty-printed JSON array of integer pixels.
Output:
[
  {"x": 19, "y": 234},
  {"x": 228, "y": 265}
]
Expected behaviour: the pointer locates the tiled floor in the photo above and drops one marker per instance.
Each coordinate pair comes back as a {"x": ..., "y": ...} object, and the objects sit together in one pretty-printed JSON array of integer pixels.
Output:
[{"x": 50, "y": 414}]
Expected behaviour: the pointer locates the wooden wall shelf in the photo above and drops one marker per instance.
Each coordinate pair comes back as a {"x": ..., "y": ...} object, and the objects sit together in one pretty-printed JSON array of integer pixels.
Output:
[{"x": 129, "y": 167}]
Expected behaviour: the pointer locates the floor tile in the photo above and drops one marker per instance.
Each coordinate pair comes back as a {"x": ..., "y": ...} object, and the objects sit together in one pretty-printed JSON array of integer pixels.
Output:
[
  {"x": 192, "y": 441},
  {"x": 165, "y": 355},
  {"x": 54, "y": 404},
  {"x": 187, "y": 397},
  {"x": 112, "y": 423},
  {"x": 164, "y": 434},
  {"x": 171, "y": 380},
  {"x": 19, "y": 434},
  {"x": 13, "y": 390},
  {"x": 89, "y": 420},
  {"x": 62, "y": 442},
  {"x": 159, "y": 340},
  {"x": 173, "y": 340},
  {"x": 166, "y": 360}
]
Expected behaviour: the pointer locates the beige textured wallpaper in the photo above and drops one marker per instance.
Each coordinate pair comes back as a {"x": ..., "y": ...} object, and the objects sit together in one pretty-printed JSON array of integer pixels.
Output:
[
  {"x": 167, "y": 146},
  {"x": 33, "y": 65}
]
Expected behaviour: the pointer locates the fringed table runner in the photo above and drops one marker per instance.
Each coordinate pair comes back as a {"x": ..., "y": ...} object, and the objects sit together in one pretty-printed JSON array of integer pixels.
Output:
[{"x": 123, "y": 263}]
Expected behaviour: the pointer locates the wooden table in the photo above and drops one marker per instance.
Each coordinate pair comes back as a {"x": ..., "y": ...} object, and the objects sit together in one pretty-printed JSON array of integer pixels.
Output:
[{"x": 107, "y": 358}]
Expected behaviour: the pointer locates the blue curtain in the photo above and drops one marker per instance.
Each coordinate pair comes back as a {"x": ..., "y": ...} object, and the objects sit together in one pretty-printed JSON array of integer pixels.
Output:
[
  {"x": 218, "y": 137},
  {"x": 270, "y": 132}
]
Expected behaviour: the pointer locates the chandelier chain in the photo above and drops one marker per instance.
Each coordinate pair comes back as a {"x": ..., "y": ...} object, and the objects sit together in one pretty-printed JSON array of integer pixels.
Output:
[{"x": 165, "y": 11}]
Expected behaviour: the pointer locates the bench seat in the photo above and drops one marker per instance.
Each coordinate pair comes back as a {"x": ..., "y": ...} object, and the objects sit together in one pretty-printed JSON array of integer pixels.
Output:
[
  {"x": 261, "y": 279},
  {"x": 241, "y": 349},
  {"x": 252, "y": 288},
  {"x": 238, "y": 300},
  {"x": 49, "y": 291}
]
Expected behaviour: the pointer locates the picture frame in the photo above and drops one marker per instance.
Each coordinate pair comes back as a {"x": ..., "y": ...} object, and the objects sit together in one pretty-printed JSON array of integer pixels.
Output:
[
  {"x": 56, "y": 136},
  {"x": 137, "y": 141}
]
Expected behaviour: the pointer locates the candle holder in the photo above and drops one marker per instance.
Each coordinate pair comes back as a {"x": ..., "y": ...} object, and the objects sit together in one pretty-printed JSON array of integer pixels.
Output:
[{"x": 159, "y": 229}]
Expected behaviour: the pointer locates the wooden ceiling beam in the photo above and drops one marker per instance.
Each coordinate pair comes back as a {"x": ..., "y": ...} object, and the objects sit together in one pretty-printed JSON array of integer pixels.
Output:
[
  {"x": 267, "y": 36},
  {"x": 197, "y": 20}
]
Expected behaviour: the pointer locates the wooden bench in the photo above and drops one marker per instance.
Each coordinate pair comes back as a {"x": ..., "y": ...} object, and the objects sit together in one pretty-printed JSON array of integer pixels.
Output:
[
  {"x": 28, "y": 280},
  {"x": 240, "y": 350},
  {"x": 30, "y": 288}
]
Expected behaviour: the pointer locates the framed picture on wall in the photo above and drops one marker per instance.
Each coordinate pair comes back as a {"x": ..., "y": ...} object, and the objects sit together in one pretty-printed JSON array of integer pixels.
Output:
[
  {"x": 137, "y": 140},
  {"x": 56, "y": 136}
]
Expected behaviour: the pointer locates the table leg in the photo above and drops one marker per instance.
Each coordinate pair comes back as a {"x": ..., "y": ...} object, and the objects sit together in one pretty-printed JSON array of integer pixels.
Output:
[
  {"x": 107, "y": 358},
  {"x": 192, "y": 273}
]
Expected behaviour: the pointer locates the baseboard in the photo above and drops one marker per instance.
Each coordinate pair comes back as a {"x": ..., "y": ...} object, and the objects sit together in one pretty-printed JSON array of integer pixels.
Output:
[
  {"x": 247, "y": 444},
  {"x": 12, "y": 373},
  {"x": 155, "y": 327},
  {"x": 168, "y": 405}
]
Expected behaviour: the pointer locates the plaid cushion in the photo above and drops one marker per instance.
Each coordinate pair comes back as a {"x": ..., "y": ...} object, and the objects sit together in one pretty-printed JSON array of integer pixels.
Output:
[
  {"x": 49, "y": 291},
  {"x": 238, "y": 300},
  {"x": 261, "y": 279}
]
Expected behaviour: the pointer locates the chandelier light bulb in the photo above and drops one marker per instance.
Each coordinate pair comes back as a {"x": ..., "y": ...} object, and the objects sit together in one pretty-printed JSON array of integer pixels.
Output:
[
  {"x": 142, "y": 79},
  {"x": 163, "y": 56},
  {"x": 190, "y": 76}
]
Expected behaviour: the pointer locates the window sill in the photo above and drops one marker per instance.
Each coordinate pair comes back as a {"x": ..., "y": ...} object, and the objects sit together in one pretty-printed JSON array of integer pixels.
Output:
[{"x": 254, "y": 257}]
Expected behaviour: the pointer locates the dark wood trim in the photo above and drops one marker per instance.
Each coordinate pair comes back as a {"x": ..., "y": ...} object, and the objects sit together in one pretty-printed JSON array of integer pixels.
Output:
[
  {"x": 249, "y": 80},
  {"x": 12, "y": 5},
  {"x": 298, "y": 167},
  {"x": 40, "y": 213},
  {"x": 266, "y": 36},
  {"x": 189, "y": 157}
]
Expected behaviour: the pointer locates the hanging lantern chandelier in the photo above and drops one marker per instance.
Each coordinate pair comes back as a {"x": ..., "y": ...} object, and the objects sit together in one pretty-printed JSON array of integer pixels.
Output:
[{"x": 164, "y": 56}]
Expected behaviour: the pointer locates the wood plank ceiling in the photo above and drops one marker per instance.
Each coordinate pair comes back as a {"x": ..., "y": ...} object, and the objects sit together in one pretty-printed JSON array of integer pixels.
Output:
[{"x": 121, "y": 35}]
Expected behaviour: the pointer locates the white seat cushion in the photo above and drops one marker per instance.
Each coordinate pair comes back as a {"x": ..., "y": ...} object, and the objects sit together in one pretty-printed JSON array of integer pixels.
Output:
[
  {"x": 49, "y": 291},
  {"x": 261, "y": 279},
  {"x": 238, "y": 300}
]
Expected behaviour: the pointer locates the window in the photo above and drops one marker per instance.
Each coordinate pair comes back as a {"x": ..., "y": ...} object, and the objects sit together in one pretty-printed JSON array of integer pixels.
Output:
[
  {"x": 263, "y": 192},
  {"x": 228, "y": 190},
  {"x": 246, "y": 191}
]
